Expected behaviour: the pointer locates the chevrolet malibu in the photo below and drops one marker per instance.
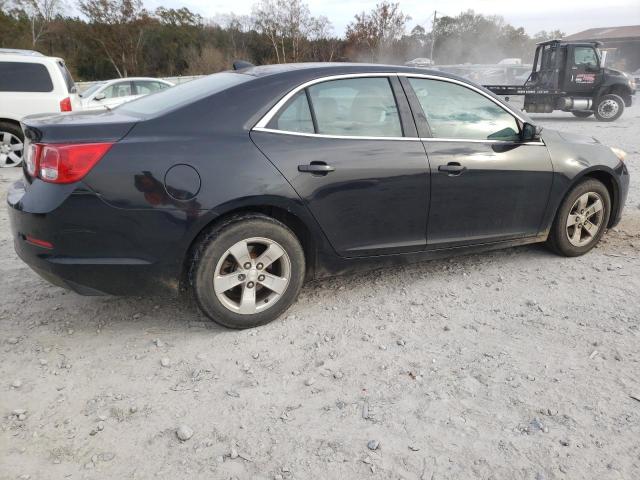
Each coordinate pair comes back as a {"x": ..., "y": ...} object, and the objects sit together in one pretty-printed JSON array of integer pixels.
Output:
[{"x": 240, "y": 186}]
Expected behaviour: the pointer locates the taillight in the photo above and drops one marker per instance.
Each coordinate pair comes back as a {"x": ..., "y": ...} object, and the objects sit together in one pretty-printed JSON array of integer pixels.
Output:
[
  {"x": 65, "y": 105},
  {"x": 58, "y": 163},
  {"x": 31, "y": 155}
]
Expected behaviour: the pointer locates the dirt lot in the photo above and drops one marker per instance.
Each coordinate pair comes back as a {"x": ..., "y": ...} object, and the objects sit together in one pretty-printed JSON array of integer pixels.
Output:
[{"x": 515, "y": 364}]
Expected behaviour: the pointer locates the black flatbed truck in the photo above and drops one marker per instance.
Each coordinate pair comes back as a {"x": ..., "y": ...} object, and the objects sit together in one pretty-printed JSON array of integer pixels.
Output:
[{"x": 569, "y": 76}]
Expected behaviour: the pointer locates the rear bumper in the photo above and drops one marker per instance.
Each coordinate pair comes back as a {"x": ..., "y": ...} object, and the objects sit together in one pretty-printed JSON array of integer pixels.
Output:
[{"x": 91, "y": 253}]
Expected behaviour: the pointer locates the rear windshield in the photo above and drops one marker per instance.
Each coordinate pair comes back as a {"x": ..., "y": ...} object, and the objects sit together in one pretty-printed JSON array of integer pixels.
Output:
[
  {"x": 68, "y": 79},
  {"x": 183, "y": 94},
  {"x": 24, "y": 77}
]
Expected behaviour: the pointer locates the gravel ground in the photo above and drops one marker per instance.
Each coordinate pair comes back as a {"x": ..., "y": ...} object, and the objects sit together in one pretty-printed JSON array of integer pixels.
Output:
[{"x": 515, "y": 364}]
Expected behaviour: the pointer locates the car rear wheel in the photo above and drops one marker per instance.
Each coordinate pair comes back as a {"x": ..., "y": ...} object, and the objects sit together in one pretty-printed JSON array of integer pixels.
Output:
[
  {"x": 247, "y": 271},
  {"x": 11, "y": 144},
  {"x": 581, "y": 219},
  {"x": 609, "y": 108},
  {"x": 582, "y": 113}
]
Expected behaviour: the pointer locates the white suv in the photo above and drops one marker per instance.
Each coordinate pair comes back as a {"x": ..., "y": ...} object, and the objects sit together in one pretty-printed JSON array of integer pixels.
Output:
[{"x": 29, "y": 83}]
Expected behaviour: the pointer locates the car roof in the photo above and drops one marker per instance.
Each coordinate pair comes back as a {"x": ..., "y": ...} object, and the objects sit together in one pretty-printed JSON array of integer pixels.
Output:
[
  {"x": 133, "y": 79},
  {"x": 333, "y": 67},
  {"x": 322, "y": 69},
  {"x": 27, "y": 58}
]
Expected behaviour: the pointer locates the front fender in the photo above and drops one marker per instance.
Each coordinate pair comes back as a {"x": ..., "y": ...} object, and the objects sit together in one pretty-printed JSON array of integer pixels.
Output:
[{"x": 575, "y": 157}]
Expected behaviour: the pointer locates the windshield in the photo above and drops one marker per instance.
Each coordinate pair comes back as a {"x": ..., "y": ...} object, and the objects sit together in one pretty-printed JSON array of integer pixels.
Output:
[
  {"x": 89, "y": 91},
  {"x": 183, "y": 94}
]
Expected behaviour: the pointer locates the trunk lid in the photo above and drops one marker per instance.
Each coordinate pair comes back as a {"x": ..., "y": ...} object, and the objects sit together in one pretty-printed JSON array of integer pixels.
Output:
[{"x": 78, "y": 127}]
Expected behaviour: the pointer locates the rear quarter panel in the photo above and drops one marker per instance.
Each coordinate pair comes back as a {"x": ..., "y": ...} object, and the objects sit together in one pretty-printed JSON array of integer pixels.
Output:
[{"x": 231, "y": 171}]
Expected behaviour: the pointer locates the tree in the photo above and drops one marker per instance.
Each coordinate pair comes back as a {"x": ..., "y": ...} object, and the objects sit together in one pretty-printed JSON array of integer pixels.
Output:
[
  {"x": 237, "y": 27},
  {"x": 41, "y": 13},
  {"x": 181, "y": 17},
  {"x": 118, "y": 27},
  {"x": 204, "y": 62},
  {"x": 288, "y": 25},
  {"x": 543, "y": 35},
  {"x": 374, "y": 33}
]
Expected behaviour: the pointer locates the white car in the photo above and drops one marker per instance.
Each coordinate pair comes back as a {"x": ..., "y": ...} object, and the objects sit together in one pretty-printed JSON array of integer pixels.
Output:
[
  {"x": 109, "y": 94},
  {"x": 30, "y": 83}
]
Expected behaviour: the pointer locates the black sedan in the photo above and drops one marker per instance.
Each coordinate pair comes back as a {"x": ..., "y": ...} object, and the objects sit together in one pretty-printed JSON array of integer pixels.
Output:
[{"x": 240, "y": 186}]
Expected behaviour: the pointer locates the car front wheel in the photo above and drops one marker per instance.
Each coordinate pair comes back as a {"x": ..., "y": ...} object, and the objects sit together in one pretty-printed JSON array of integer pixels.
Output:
[
  {"x": 581, "y": 219},
  {"x": 11, "y": 145},
  {"x": 247, "y": 271}
]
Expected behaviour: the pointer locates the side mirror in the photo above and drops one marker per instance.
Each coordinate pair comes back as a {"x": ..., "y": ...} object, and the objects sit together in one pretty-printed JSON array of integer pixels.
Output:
[
  {"x": 530, "y": 132},
  {"x": 100, "y": 96}
]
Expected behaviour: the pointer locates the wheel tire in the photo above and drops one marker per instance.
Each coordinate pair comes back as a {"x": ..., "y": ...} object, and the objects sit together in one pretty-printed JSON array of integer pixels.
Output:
[
  {"x": 213, "y": 250},
  {"x": 609, "y": 108},
  {"x": 16, "y": 134},
  {"x": 582, "y": 113},
  {"x": 558, "y": 239}
]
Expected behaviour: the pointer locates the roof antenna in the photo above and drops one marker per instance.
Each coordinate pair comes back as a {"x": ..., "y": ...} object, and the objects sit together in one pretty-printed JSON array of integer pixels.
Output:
[{"x": 240, "y": 64}]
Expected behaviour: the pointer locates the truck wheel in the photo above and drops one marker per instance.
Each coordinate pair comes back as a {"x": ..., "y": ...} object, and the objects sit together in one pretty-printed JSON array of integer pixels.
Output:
[
  {"x": 609, "y": 108},
  {"x": 11, "y": 144},
  {"x": 581, "y": 219},
  {"x": 247, "y": 271},
  {"x": 582, "y": 113}
]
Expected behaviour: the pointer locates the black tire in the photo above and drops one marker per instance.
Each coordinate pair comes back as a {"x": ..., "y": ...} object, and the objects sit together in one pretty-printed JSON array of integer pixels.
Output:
[
  {"x": 15, "y": 130},
  {"x": 558, "y": 239},
  {"x": 605, "y": 111},
  {"x": 213, "y": 247},
  {"x": 582, "y": 113}
]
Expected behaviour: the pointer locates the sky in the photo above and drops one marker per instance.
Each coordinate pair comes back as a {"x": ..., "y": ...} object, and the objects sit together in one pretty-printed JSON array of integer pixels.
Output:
[{"x": 570, "y": 16}]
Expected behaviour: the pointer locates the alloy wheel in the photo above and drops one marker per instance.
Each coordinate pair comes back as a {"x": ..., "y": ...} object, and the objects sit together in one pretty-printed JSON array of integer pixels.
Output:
[
  {"x": 11, "y": 149},
  {"x": 585, "y": 219},
  {"x": 608, "y": 108},
  {"x": 252, "y": 275}
]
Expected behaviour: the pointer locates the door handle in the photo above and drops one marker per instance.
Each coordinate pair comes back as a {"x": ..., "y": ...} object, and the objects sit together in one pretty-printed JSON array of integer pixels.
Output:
[
  {"x": 452, "y": 168},
  {"x": 316, "y": 168}
]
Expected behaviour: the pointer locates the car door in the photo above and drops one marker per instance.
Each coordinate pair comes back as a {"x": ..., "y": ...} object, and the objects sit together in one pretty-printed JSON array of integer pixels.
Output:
[
  {"x": 486, "y": 184},
  {"x": 348, "y": 146},
  {"x": 584, "y": 73}
]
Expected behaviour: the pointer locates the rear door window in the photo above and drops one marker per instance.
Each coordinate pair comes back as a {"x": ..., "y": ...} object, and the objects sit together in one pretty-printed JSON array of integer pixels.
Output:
[
  {"x": 356, "y": 107},
  {"x": 24, "y": 77},
  {"x": 296, "y": 116},
  {"x": 145, "y": 87}
]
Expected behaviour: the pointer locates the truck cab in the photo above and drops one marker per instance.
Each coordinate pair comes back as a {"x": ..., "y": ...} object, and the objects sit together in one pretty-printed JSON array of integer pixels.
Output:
[{"x": 570, "y": 76}]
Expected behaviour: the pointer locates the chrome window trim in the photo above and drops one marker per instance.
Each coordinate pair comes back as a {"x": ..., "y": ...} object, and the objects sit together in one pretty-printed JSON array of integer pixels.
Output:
[
  {"x": 402, "y": 139},
  {"x": 261, "y": 126},
  {"x": 264, "y": 121},
  {"x": 343, "y": 137}
]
